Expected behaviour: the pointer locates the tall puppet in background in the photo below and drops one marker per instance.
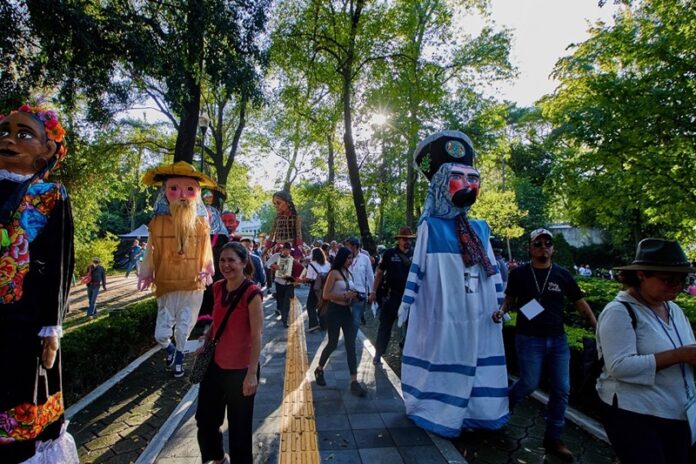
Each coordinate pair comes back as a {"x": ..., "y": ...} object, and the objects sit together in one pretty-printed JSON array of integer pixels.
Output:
[
  {"x": 453, "y": 371},
  {"x": 219, "y": 235},
  {"x": 287, "y": 225},
  {"x": 179, "y": 258},
  {"x": 36, "y": 266},
  {"x": 229, "y": 219}
]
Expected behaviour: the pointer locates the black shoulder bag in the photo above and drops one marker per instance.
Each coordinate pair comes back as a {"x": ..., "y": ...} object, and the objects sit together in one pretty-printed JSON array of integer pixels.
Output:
[{"x": 205, "y": 357}]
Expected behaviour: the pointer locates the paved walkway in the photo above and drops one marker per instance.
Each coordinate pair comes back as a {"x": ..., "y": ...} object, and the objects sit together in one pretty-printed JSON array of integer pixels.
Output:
[{"x": 338, "y": 427}]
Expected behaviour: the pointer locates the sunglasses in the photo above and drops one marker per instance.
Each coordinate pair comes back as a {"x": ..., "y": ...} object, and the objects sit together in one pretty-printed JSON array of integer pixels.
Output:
[
  {"x": 542, "y": 243},
  {"x": 672, "y": 279}
]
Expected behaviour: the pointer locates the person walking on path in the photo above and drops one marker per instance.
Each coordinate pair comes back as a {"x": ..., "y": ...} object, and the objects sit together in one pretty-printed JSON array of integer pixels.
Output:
[
  {"x": 538, "y": 290},
  {"x": 340, "y": 292},
  {"x": 134, "y": 255},
  {"x": 317, "y": 268},
  {"x": 363, "y": 276},
  {"x": 232, "y": 377},
  {"x": 649, "y": 354},
  {"x": 395, "y": 263},
  {"x": 97, "y": 275},
  {"x": 259, "y": 276},
  {"x": 282, "y": 263}
]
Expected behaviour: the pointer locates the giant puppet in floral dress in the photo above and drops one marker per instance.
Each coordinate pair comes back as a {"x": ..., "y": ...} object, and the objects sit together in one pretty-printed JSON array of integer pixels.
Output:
[{"x": 36, "y": 266}]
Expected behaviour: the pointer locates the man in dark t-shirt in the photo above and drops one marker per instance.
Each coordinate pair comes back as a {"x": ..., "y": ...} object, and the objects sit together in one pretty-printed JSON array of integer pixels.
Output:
[
  {"x": 538, "y": 291},
  {"x": 395, "y": 264}
]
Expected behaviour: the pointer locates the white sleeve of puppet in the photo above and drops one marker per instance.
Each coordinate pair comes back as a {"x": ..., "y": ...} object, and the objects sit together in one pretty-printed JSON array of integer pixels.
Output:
[
  {"x": 51, "y": 331},
  {"x": 415, "y": 273}
]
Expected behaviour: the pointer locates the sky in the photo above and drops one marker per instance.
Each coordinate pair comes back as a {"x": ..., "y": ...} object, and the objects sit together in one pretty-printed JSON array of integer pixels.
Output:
[{"x": 542, "y": 30}]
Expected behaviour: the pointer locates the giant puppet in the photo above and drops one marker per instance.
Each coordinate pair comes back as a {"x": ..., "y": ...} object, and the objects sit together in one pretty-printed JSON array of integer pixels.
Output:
[
  {"x": 287, "y": 225},
  {"x": 453, "y": 371},
  {"x": 36, "y": 266},
  {"x": 179, "y": 258}
]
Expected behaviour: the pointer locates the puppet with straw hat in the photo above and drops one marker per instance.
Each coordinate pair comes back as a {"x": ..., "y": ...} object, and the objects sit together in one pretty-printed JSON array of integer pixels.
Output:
[{"x": 178, "y": 258}]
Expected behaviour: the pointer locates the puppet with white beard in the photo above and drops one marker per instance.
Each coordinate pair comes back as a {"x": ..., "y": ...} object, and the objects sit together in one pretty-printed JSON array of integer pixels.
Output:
[
  {"x": 453, "y": 372},
  {"x": 178, "y": 258}
]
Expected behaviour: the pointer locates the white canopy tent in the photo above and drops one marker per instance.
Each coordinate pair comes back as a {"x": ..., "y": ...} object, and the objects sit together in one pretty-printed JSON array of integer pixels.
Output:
[{"x": 139, "y": 232}]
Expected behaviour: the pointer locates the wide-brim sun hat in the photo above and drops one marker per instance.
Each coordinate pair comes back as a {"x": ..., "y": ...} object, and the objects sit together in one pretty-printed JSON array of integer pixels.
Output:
[
  {"x": 656, "y": 254},
  {"x": 405, "y": 232},
  {"x": 156, "y": 176}
]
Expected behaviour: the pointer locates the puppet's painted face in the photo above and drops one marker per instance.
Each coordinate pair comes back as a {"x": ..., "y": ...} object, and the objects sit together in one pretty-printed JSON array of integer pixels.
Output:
[
  {"x": 207, "y": 197},
  {"x": 181, "y": 189},
  {"x": 281, "y": 206},
  {"x": 464, "y": 184},
  {"x": 229, "y": 219},
  {"x": 24, "y": 147}
]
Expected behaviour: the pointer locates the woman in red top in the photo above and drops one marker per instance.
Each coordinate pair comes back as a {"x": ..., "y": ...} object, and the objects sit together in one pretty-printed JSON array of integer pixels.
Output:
[{"x": 232, "y": 377}]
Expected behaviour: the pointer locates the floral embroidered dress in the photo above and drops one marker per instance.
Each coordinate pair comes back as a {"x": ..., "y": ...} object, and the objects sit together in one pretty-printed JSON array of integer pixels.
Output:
[{"x": 36, "y": 266}]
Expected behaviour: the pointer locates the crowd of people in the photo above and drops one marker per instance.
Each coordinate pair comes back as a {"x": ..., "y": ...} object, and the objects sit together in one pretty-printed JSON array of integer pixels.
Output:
[{"x": 446, "y": 284}]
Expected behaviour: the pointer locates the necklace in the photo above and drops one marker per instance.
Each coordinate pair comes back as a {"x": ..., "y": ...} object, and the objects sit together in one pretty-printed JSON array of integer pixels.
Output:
[{"x": 536, "y": 282}]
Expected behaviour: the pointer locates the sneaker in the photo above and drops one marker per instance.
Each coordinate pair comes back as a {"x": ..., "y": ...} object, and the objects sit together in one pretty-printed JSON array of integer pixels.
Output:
[
  {"x": 357, "y": 389},
  {"x": 179, "y": 364},
  {"x": 169, "y": 360},
  {"x": 314, "y": 328},
  {"x": 558, "y": 448},
  {"x": 277, "y": 312},
  {"x": 319, "y": 377}
]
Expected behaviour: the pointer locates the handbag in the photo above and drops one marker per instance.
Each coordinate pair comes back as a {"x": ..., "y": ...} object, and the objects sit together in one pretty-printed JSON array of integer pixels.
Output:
[
  {"x": 87, "y": 278},
  {"x": 205, "y": 357}
]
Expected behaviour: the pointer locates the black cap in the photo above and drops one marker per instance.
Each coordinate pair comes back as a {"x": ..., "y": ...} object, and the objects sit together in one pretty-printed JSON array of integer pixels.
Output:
[{"x": 443, "y": 147}]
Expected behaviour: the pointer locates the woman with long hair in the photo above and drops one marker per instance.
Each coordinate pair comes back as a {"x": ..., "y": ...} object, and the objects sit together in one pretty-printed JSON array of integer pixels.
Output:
[
  {"x": 232, "y": 378},
  {"x": 340, "y": 292}
]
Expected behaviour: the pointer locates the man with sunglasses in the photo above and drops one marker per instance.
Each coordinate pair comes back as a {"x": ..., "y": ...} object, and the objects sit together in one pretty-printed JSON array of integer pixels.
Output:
[{"x": 538, "y": 291}]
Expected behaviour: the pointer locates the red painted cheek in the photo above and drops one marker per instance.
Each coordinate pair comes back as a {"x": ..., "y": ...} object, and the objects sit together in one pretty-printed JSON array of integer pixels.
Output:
[{"x": 455, "y": 185}]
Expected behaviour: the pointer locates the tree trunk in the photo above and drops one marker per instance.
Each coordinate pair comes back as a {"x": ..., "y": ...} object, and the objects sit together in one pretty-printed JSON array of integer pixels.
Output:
[
  {"x": 330, "y": 207},
  {"x": 186, "y": 136}
]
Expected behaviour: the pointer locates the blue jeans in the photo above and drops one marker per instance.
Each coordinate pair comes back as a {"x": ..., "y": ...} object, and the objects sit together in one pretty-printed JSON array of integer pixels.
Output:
[
  {"x": 357, "y": 308},
  {"x": 92, "y": 292},
  {"x": 532, "y": 354}
]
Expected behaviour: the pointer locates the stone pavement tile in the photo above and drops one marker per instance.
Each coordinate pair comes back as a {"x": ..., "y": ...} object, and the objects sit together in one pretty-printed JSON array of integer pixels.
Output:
[
  {"x": 328, "y": 407},
  {"x": 366, "y": 421},
  {"x": 421, "y": 455},
  {"x": 348, "y": 456},
  {"x": 514, "y": 432},
  {"x": 101, "y": 442},
  {"x": 134, "y": 443},
  {"x": 488, "y": 455},
  {"x": 372, "y": 438},
  {"x": 390, "y": 405},
  {"x": 266, "y": 409},
  {"x": 529, "y": 455},
  {"x": 320, "y": 393},
  {"x": 396, "y": 420},
  {"x": 266, "y": 447},
  {"x": 354, "y": 405},
  {"x": 102, "y": 455},
  {"x": 341, "y": 375},
  {"x": 335, "y": 439},
  {"x": 185, "y": 448},
  {"x": 126, "y": 458},
  {"x": 410, "y": 436},
  {"x": 381, "y": 456},
  {"x": 332, "y": 422}
]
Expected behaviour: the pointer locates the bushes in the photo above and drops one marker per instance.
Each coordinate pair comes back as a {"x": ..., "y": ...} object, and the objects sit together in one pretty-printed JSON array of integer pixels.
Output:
[
  {"x": 104, "y": 248},
  {"x": 92, "y": 353}
]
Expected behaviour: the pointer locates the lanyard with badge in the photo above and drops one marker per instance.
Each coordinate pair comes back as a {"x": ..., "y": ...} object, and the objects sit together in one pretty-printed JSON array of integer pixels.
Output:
[
  {"x": 690, "y": 397},
  {"x": 533, "y": 308}
]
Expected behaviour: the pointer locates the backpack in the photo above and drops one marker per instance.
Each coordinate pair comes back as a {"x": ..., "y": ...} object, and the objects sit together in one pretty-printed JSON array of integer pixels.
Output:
[
  {"x": 318, "y": 289},
  {"x": 592, "y": 365}
]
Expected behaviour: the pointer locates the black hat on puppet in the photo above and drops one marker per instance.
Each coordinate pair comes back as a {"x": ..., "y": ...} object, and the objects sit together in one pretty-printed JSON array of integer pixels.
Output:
[{"x": 442, "y": 147}]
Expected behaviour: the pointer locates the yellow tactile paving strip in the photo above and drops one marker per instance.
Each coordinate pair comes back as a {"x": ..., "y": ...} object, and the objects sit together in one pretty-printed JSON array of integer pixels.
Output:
[{"x": 298, "y": 431}]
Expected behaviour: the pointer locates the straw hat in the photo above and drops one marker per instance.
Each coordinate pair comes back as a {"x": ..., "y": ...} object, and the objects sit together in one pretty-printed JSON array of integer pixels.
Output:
[
  {"x": 156, "y": 176},
  {"x": 405, "y": 232},
  {"x": 656, "y": 254}
]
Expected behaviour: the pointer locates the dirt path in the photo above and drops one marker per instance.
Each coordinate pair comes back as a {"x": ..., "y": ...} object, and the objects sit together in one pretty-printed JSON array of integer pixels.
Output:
[{"x": 120, "y": 292}]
